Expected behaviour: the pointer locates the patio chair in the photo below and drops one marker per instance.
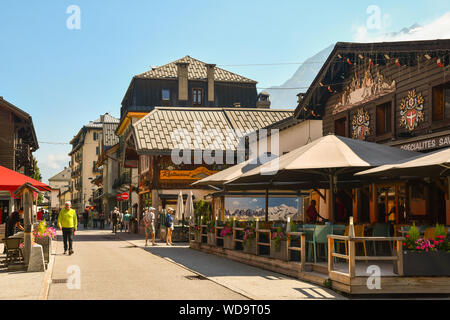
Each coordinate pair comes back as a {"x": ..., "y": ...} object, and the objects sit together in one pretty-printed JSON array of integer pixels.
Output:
[
  {"x": 13, "y": 251},
  {"x": 319, "y": 237},
  {"x": 359, "y": 232},
  {"x": 339, "y": 229},
  {"x": 429, "y": 233},
  {"x": 380, "y": 230}
]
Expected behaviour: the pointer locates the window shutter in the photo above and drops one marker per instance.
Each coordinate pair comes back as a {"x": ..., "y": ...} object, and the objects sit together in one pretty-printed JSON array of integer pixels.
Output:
[{"x": 438, "y": 103}]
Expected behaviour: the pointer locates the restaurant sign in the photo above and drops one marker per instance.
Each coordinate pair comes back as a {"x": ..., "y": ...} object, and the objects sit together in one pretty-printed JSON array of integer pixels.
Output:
[
  {"x": 428, "y": 144},
  {"x": 196, "y": 174}
]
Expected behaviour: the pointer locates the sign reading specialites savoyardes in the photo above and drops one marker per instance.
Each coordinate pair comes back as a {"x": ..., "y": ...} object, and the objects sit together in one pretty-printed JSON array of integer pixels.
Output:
[{"x": 427, "y": 144}]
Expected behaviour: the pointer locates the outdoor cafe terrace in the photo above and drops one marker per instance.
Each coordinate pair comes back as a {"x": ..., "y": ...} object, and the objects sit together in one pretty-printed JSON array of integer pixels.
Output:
[{"x": 410, "y": 254}]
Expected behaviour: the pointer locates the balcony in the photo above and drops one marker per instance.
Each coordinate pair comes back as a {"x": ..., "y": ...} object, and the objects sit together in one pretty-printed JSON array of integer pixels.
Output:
[
  {"x": 76, "y": 172},
  {"x": 78, "y": 157},
  {"x": 125, "y": 178}
]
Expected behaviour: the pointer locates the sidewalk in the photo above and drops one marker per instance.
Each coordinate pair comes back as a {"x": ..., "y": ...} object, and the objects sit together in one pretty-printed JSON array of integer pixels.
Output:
[
  {"x": 254, "y": 283},
  {"x": 20, "y": 285}
]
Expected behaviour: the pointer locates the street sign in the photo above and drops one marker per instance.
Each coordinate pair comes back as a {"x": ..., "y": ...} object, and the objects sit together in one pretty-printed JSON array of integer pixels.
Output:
[
  {"x": 118, "y": 197},
  {"x": 125, "y": 196}
]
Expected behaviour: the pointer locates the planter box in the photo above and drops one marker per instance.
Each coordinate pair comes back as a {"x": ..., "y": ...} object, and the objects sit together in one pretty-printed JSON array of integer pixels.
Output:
[
  {"x": 197, "y": 237},
  {"x": 228, "y": 242},
  {"x": 211, "y": 239},
  {"x": 425, "y": 264},
  {"x": 279, "y": 252},
  {"x": 46, "y": 244},
  {"x": 250, "y": 246}
]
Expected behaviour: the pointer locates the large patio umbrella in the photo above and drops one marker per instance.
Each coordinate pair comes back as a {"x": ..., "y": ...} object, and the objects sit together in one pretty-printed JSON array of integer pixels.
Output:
[
  {"x": 219, "y": 178},
  {"x": 11, "y": 180},
  {"x": 180, "y": 207},
  {"x": 435, "y": 164},
  {"x": 326, "y": 158},
  {"x": 189, "y": 210}
]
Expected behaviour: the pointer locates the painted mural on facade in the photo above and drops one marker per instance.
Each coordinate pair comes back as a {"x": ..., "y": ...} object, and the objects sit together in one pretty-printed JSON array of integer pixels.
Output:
[
  {"x": 359, "y": 91},
  {"x": 411, "y": 111}
]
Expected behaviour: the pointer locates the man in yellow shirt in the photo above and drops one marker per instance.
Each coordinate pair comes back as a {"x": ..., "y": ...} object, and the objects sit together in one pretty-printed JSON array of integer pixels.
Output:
[{"x": 67, "y": 222}]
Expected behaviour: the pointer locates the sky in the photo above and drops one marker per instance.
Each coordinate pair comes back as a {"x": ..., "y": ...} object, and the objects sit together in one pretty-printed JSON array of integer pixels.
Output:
[{"x": 65, "y": 74}]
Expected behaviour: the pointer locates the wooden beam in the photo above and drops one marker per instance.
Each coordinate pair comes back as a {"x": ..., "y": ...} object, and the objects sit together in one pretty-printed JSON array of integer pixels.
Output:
[{"x": 320, "y": 194}]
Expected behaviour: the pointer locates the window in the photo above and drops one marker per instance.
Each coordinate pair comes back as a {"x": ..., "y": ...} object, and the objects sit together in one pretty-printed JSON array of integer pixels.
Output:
[
  {"x": 165, "y": 94},
  {"x": 340, "y": 127},
  {"x": 441, "y": 102},
  {"x": 384, "y": 118},
  {"x": 96, "y": 150},
  {"x": 197, "y": 96},
  {"x": 95, "y": 136}
]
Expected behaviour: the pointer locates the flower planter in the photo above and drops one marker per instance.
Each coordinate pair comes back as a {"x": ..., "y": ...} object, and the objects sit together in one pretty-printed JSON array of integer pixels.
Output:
[
  {"x": 46, "y": 243},
  {"x": 250, "y": 246},
  {"x": 425, "y": 264},
  {"x": 279, "y": 252},
  {"x": 228, "y": 242},
  {"x": 211, "y": 239}
]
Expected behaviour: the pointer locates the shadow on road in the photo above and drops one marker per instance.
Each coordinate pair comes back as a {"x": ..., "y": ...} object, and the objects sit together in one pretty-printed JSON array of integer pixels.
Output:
[{"x": 210, "y": 265}]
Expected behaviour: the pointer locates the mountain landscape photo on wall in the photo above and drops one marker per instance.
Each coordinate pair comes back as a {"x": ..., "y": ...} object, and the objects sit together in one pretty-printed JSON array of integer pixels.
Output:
[{"x": 280, "y": 208}]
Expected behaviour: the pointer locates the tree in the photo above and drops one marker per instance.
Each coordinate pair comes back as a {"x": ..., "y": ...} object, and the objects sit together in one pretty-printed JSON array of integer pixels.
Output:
[{"x": 37, "y": 176}]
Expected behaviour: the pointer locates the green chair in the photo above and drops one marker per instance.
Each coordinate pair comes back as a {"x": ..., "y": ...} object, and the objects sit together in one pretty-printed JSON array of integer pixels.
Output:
[
  {"x": 380, "y": 230},
  {"x": 338, "y": 229},
  {"x": 319, "y": 236}
]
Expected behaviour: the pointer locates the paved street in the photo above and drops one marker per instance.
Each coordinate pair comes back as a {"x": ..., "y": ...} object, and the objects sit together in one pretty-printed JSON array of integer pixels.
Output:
[{"x": 119, "y": 267}]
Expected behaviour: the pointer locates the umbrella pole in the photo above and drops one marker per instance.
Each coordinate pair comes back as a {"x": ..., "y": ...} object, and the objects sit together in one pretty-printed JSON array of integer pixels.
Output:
[
  {"x": 331, "y": 204},
  {"x": 267, "y": 205}
]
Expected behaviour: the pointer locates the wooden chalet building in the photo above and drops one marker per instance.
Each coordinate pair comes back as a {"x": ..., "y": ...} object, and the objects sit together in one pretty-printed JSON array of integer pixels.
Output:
[
  {"x": 395, "y": 93},
  {"x": 18, "y": 139},
  {"x": 17, "y": 143}
]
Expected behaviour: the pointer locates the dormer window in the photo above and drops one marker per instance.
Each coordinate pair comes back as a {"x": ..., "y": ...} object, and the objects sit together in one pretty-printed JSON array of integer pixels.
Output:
[
  {"x": 197, "y": 96},
  {"x": 165, "y": 94}
]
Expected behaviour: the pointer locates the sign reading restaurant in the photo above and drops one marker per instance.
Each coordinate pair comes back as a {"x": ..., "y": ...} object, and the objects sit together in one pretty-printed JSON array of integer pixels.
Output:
[{"x": 428, "y": 144}]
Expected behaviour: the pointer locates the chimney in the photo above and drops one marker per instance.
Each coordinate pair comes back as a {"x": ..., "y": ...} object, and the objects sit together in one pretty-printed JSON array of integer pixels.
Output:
[
  {"x": 210, "y": 76},
  {"x": 182, "y": 73},
  {"x": 263, "y": 100}
]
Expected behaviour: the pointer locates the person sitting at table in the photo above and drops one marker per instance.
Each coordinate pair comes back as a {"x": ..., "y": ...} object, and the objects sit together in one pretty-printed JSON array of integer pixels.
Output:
[
  {"x": 312, "y": 213},
  {"x": 13, "y": 222}
]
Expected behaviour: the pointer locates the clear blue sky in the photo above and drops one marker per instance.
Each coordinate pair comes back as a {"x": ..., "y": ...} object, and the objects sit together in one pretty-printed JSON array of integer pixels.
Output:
[{"x": 65, "y": 78}]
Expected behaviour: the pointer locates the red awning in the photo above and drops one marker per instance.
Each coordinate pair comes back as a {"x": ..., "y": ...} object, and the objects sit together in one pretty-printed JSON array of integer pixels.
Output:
[{"x": 11, "y": 180}]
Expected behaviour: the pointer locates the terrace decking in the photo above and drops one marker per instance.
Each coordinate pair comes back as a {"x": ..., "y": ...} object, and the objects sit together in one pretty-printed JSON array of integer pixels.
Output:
[{"x": 357, "y": 275}]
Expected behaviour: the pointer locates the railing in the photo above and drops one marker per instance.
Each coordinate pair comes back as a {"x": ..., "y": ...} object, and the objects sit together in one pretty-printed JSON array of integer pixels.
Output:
[
  {"x": 235, "y": 230},
  {"x": 351, "y": 257}
]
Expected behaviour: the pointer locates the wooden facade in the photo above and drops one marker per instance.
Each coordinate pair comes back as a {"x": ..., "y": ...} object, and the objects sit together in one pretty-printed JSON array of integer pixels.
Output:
[
  {"x": 18, "y": 139},
  {"x": 391, "y": 93}
]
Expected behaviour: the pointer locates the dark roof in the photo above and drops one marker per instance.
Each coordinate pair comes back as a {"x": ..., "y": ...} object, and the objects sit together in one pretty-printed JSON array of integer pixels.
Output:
[
  {"x": 154, "y": 132},
  {"x": 337, "y": 64}
]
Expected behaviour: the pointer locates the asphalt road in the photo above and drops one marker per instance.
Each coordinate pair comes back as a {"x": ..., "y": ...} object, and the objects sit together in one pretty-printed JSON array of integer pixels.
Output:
[{"x": 104, "y": 267}]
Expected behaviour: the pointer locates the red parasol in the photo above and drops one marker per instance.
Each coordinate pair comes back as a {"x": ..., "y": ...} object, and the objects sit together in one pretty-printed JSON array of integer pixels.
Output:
[{"x": 11, "y": 180}]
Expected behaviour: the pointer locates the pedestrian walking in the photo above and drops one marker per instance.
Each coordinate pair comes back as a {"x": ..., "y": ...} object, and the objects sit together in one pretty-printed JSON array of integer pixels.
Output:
[
  {"x": 67, "y": 222},
  {"x": 126, "y": 221},
  {"x": 114, "y": 219},
  {"x": 101, "y": 217},
  {"x": 149, "y": 222},
  {"x": 120, "y": 222},
  {"x": 170, "y": 226},
  {"x": 95, "y": 218},
  {"x": 86, "y": 217}
]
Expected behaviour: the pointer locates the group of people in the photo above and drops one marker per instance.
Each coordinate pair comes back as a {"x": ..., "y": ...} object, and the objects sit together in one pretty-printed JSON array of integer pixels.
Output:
[
  {"x": 149, "y": 222},
  {"x": 94, "y": 218},
  {"x": 120, "y": 220}
]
